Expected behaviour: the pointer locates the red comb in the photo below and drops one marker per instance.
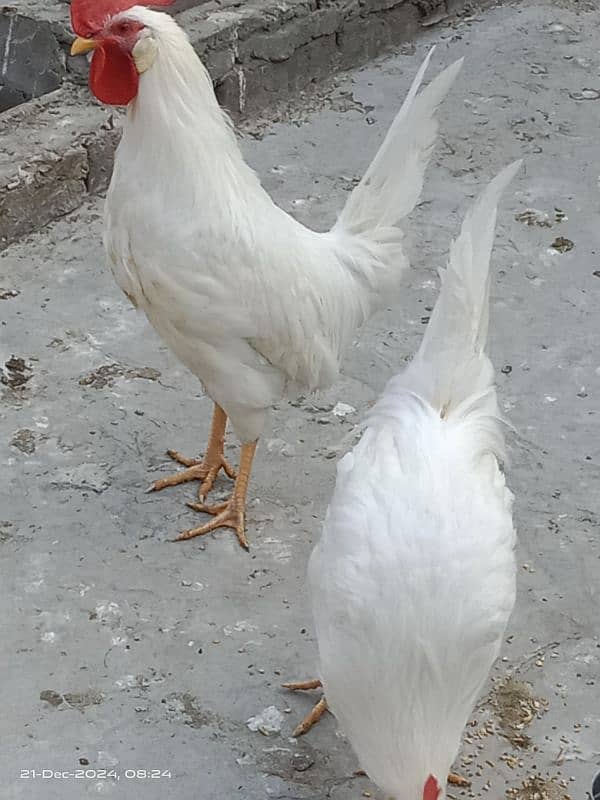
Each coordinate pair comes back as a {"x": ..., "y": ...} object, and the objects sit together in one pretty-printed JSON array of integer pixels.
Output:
[
  {"x": 431, "y": 790},
  {"x": 89, "y": 16}
]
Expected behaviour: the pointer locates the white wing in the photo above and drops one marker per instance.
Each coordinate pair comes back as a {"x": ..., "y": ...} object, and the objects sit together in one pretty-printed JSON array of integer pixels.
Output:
[{"x": 247, "y": 297}]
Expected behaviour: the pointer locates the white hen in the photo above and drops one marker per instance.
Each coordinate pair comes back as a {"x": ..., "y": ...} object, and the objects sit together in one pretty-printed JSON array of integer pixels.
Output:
[
  {"x": 250, "y": 300},
  {"x": 413, "y": 580}
]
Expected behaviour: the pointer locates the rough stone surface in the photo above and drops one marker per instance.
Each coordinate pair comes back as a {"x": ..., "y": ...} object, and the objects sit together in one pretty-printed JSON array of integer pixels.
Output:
[
  {"x": 44, "y": 159},
  {"x": 32, "y": 63},
  {"x": 257, "y": 52},
  {"x": 124, "y": 651}
]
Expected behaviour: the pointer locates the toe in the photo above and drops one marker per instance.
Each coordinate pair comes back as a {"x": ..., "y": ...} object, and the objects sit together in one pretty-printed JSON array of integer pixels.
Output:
[
  {"x": 204, "y": 508},
  {"x": 226, "y": 516},
  {"x": 311, "y": 718},
  {"x": 241, "y": 536},
  {"x": 228, "y": 469},
  {"x": 207, "y": 484},
  {"x": 303, "y": 685},
  {"x": 195, "y": 472},
  {"x": 183, "y": 460}
]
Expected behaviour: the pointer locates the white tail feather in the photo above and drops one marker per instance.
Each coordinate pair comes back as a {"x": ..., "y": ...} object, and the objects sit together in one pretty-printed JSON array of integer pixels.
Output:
[
  {"x": 451, "y": 367},
  {"x": 392, "y": 184}
]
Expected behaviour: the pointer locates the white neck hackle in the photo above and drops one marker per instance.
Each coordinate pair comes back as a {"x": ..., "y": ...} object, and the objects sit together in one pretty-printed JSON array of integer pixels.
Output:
[{"x": 176, "y": 118}]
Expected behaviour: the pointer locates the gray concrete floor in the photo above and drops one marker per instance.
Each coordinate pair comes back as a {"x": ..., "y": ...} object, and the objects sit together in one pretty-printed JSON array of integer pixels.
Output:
[{"x": 129, "y": 652}]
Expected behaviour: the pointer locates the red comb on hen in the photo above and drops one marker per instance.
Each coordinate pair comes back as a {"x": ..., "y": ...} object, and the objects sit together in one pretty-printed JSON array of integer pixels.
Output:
[
  {"x": 89, "y": 16},
  {"x": 431, "y": 790}
]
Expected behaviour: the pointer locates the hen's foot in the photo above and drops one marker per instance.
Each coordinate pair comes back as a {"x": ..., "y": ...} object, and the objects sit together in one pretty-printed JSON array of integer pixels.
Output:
[
  {"x": 205, "y": 471},
  {"x": 316, "y": 712},
  {"x": 208, "y": 468},
  {"x": 226, "y": 515},
  {"x": 232, "y": 513}
]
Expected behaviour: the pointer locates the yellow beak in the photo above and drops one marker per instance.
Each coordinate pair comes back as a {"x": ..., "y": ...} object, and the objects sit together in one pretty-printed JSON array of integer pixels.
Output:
[{"x": 81, "y": 46}]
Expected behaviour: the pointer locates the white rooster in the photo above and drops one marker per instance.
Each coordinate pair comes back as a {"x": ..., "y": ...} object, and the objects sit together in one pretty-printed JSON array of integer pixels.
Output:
[
  {"x": 250, "y": 300},
  {"x": 413, "y": 580}
]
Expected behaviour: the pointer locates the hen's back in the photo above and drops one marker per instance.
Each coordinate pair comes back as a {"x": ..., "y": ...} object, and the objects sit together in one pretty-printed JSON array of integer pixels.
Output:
[{"x": 412, "y": 586}]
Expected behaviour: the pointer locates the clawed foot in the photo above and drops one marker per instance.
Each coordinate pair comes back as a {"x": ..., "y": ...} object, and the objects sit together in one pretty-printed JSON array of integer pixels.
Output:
[
  {"x": 317, "y": 711},
  {"x": 205, "y": 471},
  {"x": 226, "y": 515}
]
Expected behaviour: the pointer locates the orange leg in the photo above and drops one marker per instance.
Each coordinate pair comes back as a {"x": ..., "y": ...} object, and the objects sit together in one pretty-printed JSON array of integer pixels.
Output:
[
  {"x": 206, "y": 470},
  {"x": 232, "y": 513},
  {"x": 316, "y": 712}
]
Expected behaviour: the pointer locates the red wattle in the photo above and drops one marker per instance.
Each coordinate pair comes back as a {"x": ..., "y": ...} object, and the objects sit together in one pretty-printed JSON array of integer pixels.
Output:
[{"x": 114, "y": 80}]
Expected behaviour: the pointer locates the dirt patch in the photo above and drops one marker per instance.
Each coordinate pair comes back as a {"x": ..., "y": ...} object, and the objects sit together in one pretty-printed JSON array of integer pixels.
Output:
[
  {"x": 5, "y": 534},
  {"x": 24, "y": 440},
  {"x": 82, "y": 700},
  {"x": 79, "y": 700},
  {"x": 516, "y": 707},
  {"x": 51, "y": 697},
  {"x": 298, "y": 765},
  {"x": 539, "y": 788},
  {"x": 187, "y": 705},
  {"x": 15, "y": 373},
  {"x": 562, "y": 245},
  {"x": 106, "y": 375},
  {"x": 541, "y": 219}
]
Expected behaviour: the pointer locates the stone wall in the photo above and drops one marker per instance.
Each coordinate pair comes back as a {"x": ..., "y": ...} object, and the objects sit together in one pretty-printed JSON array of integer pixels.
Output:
[
  {"x": 34, "y": 40},
  {"x": 254, "y": 49}
]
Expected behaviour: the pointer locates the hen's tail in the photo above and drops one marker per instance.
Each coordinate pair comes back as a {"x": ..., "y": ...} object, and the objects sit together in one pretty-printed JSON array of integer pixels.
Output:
[
  {"x": 392, "y": 184},
  {"x": 451, "y": 369}
]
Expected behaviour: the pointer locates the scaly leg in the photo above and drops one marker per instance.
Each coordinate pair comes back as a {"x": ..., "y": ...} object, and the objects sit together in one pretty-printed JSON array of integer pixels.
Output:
[
  {"x": 232, "y": 513},
  {"x": 320, "y": 708},
  {"x": 315, "y": 714},
  {"x": 205, "y": 470}
]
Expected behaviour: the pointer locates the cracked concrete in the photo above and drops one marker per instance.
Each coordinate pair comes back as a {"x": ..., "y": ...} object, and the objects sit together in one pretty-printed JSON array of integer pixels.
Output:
[{"x": 122, "y": 650}]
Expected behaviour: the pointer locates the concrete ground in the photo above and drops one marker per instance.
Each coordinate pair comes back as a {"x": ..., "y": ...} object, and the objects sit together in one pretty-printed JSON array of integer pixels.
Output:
[{"x": 122, "y": 651}]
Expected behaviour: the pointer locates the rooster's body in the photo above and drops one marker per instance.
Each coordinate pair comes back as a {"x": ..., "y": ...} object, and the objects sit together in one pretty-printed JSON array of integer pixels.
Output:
[
  {"x": 413, "y": 580},
  {"x": 250, "y": 300}
]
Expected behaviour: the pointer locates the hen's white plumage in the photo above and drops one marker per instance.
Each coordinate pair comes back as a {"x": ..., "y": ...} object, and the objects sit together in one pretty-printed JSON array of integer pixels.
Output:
[
  {"x": 247, "y": 297},
  {"x": 413, "y": 580}
]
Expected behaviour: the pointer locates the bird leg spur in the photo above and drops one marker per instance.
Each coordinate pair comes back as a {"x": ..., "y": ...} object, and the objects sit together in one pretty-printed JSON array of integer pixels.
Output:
[
  {"x": 208, "y": 468},
  {"x": 317, "y": 711},
  {"x": 232, "y": 513}
]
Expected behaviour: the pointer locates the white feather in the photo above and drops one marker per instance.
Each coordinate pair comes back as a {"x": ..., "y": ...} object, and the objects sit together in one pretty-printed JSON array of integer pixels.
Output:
[
  {"x": 249, "y": 299},
  {"x": 413, "y": 580}
]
